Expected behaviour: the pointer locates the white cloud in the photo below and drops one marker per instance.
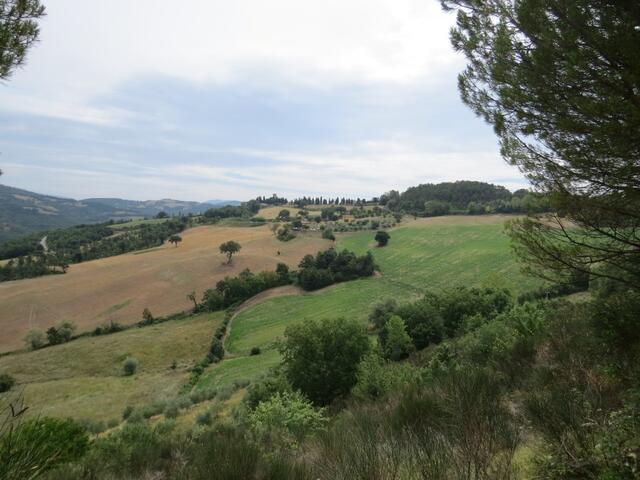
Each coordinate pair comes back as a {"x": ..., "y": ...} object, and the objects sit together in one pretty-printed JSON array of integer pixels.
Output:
[{"x": 89, "y": 47}]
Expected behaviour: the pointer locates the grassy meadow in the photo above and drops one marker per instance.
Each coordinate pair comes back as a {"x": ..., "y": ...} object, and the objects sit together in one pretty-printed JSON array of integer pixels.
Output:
[{"x": 84, "y": 379}]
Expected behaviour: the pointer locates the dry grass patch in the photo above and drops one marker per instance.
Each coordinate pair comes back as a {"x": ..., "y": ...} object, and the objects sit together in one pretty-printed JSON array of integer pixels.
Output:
[{"x": 120, "y": 288}]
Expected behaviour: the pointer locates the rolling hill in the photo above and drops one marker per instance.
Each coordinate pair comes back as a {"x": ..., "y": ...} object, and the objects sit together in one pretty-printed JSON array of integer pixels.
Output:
[
  {"x": 118, "y": 288},
  {"x": 427, "y": 253},
  {"x": 23, "y": 212}
]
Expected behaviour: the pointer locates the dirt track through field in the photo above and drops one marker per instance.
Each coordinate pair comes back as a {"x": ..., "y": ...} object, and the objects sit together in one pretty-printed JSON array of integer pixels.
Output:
[{"x": 119, "y": 288}]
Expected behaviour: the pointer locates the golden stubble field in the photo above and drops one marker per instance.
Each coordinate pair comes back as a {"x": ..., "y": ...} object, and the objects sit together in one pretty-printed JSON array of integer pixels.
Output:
[{"x": 119, "y": 288}]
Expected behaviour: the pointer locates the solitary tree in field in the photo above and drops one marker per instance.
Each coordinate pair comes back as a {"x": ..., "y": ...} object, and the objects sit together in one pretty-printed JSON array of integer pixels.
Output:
[
  {"x": 229, "y": 249},
  {"x": 382, "y": 238},
  {"x": 560, "y": 83},
  {"x": 175, "y": 239}
]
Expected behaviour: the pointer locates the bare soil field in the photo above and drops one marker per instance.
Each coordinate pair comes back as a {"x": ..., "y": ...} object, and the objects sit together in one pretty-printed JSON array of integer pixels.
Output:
[{"x": 119, "y": 288}]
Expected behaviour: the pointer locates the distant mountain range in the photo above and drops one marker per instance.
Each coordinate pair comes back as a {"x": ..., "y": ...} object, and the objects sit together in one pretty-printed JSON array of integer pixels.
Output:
[
  {"x": 222, "y": 203},
  {"x": 23, "y": 212}
]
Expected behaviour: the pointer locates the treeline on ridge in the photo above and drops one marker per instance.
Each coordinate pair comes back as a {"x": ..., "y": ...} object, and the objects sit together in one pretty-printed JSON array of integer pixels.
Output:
[
  {"x": 463, "y": 197},
  {"x": 78, "y": 244}
]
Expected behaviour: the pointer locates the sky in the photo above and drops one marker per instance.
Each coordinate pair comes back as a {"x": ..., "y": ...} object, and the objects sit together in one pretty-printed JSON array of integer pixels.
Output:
[{"x": 212, "y": 99}]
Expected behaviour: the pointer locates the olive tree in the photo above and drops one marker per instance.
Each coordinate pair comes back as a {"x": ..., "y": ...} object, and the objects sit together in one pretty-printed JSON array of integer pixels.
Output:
[{"x": 229, "y": 249}]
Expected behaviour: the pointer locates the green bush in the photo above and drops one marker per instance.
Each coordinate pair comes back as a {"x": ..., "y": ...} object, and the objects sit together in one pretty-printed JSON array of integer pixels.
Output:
[
  {"x": 204, "y": 418},
  {"x": 382, "y": 311},
  {"x": 394, "y": 339},
  {"x": 265, "y": 387},
  {"x": 129, "y": 366},
  {"x": 35, "y": 339},
  {"x": 321, "y": 358},
  {"x": 216, "y": 351},
  {"x": 286, "y": 414},
  {"x": 329, "y": 267},
  {"x": 61, "y": 333},
  {"x": 255, "y": 351},
  {"x": 377, "y": 378},
  {"x": 382, "y": 238},
  {"x": 6, "y": 382},
  {"x": 327, "y": 234}
]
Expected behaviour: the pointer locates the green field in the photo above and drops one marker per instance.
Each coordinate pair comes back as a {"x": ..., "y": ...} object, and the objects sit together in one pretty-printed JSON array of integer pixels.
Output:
[
  {"x": 239, "y": 368},
  {"x": 83, "y": 378},
  {"x": 260, "y": 325},
  {"x": 424, "y": 254}
]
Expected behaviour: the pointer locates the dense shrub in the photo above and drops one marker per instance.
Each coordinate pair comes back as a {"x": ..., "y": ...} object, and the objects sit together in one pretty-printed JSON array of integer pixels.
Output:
[
  {"x": 130, "y": 365},
  {"x": 204, "y": 418},
  {"x": 284, "y": 233},
  {"x": 107, "y": 328},
  {"x": 382, "y": 238},
  {"x": 394, "y": 340},
  {"x": 442, "y": 315},
  {"x": 35, "y": 339},
  {"x": 382, "y": 311},
  {"x": 285, "y": 415},
  {"x": 198, "y": 396},
  {"x": 233, "y": 290},
  {"x": 223, "y": 455},
  {"x": 216, "y": 350},
  {"x": 329, "y": 267},
  {"x": 62, "y": 333},
  {"x": 321, "y": 358},
  {"x": 377, "y": 378},
  {"x": 264, "y": 388},
  {"x": 6, "y": 382},
  {"x": 327, "y": 234}
]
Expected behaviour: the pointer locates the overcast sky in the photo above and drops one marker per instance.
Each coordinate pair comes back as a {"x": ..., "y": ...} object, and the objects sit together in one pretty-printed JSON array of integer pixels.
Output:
[{"x": 204, "y": 99}]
